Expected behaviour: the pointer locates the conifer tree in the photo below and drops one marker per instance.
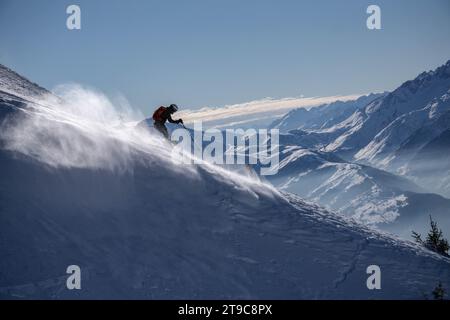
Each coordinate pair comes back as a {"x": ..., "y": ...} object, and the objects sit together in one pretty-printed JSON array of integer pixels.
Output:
[{"x": 435, "y": 240}]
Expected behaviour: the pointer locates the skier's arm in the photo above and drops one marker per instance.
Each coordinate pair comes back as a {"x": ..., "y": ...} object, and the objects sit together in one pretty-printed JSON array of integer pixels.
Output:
[{"x": 169, "y": 118}]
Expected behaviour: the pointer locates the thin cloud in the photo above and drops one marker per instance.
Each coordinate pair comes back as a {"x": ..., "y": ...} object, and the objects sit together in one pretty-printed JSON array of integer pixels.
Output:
[{"x": 253, "y": 108}]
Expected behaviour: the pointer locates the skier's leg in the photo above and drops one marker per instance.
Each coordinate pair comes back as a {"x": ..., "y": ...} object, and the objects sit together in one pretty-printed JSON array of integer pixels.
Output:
[
  {"x": 162, "y": 129},
  {"x": 165, "y": 132}
]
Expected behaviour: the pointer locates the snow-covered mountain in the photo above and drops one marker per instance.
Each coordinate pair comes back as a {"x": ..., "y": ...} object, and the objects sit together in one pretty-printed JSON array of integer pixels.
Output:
[
  {"x": 76, "y": 189},
  {"x": 390, "y": 133},
  {"x": 323, "y": 116},
  {"x": 431, "y": 164},
  {"x": 400, "y": 146},
  {"x": 11, "y": 82},
  {"x": 371, "y": 196},
  {"x": 365, "y": 124},
  {"x": 382, "y": 149}
]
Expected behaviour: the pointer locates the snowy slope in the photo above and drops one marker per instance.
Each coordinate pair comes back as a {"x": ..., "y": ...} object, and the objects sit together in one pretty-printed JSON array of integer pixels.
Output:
[
  {"x": 76, "y": 189},
  {"x": 11, "y": 82},
  {"x": 371, "y": 196}
]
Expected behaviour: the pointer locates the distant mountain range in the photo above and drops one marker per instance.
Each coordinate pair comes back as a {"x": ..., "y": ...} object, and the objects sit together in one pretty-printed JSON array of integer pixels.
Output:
[
  {"x": 323, "y": 116},
  {"x": 375, "y": 157}
]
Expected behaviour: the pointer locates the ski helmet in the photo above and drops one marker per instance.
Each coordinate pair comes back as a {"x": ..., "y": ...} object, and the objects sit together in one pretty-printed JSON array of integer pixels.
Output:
[{"x": 174, "y": 107}]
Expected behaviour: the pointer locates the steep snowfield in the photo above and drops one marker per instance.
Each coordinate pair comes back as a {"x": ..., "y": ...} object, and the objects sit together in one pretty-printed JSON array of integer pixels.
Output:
[
  {"x": 11, "y": 82},
  {"x": 79, "y": 187}
]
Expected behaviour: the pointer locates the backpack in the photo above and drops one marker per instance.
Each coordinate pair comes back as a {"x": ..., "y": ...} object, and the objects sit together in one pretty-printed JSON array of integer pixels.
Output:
[{"x": 158, "y": 115}]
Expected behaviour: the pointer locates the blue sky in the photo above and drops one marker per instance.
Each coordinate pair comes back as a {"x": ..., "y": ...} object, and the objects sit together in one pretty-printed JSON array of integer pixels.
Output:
[{"x": 211, "y": 53}]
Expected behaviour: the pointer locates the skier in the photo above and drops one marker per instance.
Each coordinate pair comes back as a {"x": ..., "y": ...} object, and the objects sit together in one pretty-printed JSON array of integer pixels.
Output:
[{"x": 163, "y": 114}]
